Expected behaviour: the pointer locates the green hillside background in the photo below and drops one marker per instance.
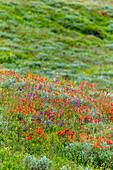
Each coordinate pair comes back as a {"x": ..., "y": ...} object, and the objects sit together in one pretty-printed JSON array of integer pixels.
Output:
[{"x": 47, "y": 36}]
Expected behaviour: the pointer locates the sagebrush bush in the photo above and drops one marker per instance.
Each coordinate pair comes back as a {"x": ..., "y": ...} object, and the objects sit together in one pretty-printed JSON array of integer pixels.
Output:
[
  {"x": 32, "y": 163},
  {"x": 85, "y": 153},
  {"x": 43, "y": 163}
]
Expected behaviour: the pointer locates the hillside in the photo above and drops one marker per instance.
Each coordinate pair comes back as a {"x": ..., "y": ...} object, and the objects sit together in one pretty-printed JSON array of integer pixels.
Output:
[{"x": 75, "y": 38}]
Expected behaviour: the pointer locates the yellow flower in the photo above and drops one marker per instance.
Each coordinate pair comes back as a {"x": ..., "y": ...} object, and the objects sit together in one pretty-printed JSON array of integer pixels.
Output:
[
  {"x": 44, "y": 68},
  {"x": 78, "y": 74},
  {"x": 40, "y": 53},
  {"x": 83, "y": 72},
  {"x": 11, "y": 53}
]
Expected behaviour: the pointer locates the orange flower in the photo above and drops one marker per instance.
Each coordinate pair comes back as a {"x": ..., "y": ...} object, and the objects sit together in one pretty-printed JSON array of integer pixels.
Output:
[
  {"x": 69, "y": 137},
  {"x": 100, "y": 139},
  {"x": 74, "y": 137},
  {"x": 24, "y": 133},
  {"x": 81, "y": 140}
]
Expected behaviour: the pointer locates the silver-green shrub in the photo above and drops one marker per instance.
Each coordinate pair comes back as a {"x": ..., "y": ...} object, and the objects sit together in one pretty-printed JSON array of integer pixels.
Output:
[
  {"x": 31, "y": 162},
  {"x": 43, "y": 163}
]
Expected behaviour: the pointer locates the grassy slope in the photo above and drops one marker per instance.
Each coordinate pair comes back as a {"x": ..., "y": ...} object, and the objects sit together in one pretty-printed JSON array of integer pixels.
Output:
[{"x": 54, "y": 35}]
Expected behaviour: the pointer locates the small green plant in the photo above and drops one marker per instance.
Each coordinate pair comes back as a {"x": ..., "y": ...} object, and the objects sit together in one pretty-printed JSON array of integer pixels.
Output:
[
  {"x": 43, "y": 163},
  {"x": 30, "y": 162},
  {"x": 66, "y": 168}
]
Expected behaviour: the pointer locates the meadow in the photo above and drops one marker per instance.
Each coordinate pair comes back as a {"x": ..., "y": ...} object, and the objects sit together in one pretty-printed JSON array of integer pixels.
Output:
[{"x": 56, "y": 85}]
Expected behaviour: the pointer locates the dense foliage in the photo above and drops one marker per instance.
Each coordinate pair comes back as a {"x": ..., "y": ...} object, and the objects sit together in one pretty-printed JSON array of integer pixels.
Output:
[{"x": 55, "y": 117}]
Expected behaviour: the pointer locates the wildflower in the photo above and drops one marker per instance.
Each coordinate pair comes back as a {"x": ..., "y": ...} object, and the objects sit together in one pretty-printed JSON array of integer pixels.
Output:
[
  {"x": 11, "y": 54},
  {"x": 90, "y": 35}
]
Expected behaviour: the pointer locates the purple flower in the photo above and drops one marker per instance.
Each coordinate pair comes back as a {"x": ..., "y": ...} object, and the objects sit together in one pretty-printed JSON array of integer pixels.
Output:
[
  {"x": 69, "y": 145},
  {"x": 37, "y": 118},
  {"x": 99, "y": 120},
  {"x": 53, "y": 145},
  {"x": 61, "y": 124},
  {"x": 90, "y": 35},
  {"x": 40, "y": 87},
  {"x": 47, "y": 123},
  {"x": 40, "y": 113},
  {"x": 34, "y": 4}
]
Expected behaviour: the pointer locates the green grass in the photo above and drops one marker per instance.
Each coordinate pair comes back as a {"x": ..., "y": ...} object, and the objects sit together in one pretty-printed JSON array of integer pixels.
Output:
[{"x": 54, "y": 32}]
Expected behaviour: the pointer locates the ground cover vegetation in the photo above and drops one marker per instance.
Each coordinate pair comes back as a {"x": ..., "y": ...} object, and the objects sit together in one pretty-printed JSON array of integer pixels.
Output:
[{"x": 56, "y": 84}]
